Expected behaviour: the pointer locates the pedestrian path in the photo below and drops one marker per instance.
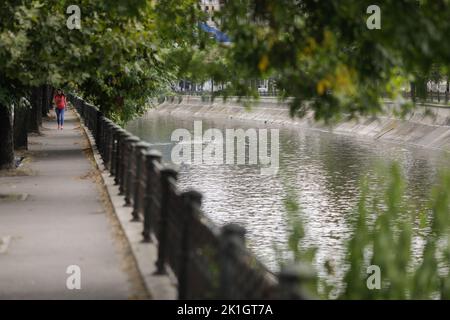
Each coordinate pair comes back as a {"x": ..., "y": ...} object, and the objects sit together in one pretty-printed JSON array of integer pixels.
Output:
[{"x": 53, "y": 217}]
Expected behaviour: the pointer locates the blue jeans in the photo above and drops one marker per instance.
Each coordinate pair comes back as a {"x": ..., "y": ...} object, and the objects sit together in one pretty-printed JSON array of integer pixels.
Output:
[{"x": 59, "y": 116}]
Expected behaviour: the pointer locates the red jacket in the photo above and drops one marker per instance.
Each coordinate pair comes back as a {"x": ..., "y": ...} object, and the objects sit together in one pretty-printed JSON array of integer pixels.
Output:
[{"x": 60, "y": 101}]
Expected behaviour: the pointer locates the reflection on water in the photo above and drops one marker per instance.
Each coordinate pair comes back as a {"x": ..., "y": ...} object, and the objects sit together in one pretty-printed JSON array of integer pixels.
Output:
[{"x": 324, "y": 168}]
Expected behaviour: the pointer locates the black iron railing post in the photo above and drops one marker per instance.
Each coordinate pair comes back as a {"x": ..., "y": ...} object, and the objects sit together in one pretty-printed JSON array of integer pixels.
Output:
[
  {"x": 92, "y": 121},
  {"x": 99, "y": 140},
  {"x": 83, "y": 111},
  {"x": 232, "y": 243},
  {"x": 88, "y": 111},
  {"x": 192, "y": 201},
  {"x": 166, "y": 175},
  {"x": 151, "y": 157},
  {"x": 293, "y": 279},
  {"x": 136, "y": 176},
  {"x": 102, "y": 138},
  {"x": 198, "y": 254},
  {"x": 89, "y": 116},
  {"x": 126, "y": 162},
  {"x": 94, "y": 118}
]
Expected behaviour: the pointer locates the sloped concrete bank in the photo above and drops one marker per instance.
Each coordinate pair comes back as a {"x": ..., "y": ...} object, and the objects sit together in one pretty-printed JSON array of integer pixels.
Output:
[{"x": 427, "y": 126}]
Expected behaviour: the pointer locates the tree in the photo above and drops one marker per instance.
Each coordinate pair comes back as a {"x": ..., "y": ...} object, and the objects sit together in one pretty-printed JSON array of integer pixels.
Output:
[
  {"x": 21, "y": 122},
  {"x": 7, "y": 102},
  {"x": 35, "y": 119},
  {"x": 323, "y": 52}
]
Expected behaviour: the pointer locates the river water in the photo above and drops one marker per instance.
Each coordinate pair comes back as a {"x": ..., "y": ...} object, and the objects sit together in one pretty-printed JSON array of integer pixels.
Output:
[{"x": 323, "y": 168}]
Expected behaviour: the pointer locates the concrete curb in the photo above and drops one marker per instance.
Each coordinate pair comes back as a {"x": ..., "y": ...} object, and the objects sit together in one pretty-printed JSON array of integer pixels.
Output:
[{"x": 159, "y": 287}]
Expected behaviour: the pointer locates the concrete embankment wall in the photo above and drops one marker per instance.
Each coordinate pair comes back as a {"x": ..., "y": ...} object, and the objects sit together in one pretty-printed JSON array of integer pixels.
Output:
[{"x": 426, "y": 126}]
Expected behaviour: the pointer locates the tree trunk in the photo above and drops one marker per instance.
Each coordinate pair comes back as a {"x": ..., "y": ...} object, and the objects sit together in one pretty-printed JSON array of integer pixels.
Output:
[
  {"x": 36, "y": 110},
  {"x": 21, "y": 115},
  {"x": 6, "y": 138},
  {"x": 51, "y": 92}
]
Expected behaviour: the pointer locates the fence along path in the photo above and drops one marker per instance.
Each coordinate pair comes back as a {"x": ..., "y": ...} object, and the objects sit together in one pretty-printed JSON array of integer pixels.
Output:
[{"x": 208, "y": 262}]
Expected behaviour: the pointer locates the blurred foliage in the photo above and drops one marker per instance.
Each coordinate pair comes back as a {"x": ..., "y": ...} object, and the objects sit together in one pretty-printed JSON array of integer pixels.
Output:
[
  {"x": 322, "y": 51},
  {"x": 387, "y": 243},
  {"x": 302, "y": 256},
  {"x": 128, "y": 51}
]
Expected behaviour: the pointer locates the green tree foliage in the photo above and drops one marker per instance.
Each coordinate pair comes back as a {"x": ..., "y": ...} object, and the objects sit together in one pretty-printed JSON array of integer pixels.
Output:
[
  {"x": 201, "y": 63},
  {"x": 323, "y": 52},
  {"x": 114, "y": 60}
]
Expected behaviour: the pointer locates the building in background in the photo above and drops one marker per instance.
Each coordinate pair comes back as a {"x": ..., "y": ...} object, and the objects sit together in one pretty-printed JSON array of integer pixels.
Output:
[
  {"x": 210, "y": 7},
  {"x": 212, "y": 26}
]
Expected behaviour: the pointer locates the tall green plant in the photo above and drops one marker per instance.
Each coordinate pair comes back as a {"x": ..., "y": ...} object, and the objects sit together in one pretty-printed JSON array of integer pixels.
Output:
[
  {"x": 388, "y": 242},
  {"x": 384, "y": 229}
]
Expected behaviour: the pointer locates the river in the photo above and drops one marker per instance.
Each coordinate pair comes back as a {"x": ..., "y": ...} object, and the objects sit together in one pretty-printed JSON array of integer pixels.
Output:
[{"x": 324, "y": 168}]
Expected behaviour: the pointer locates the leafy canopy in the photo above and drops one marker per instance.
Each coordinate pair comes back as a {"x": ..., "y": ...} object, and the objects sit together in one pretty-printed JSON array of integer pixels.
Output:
[{"x": 114, "y": 59}]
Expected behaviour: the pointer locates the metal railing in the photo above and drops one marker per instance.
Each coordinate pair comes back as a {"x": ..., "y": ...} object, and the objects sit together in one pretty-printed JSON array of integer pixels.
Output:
[{"x": 208, "y": 262}]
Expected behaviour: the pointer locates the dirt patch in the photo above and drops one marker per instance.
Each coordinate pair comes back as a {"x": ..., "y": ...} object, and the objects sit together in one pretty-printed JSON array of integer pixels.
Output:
[
  {"x": 27, "y": 154},
  {"x": 88, "y": 152},
  {"x": 89, "y": 175}
]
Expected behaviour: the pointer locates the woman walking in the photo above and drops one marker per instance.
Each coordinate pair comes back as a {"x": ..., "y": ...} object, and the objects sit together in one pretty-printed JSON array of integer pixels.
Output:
[{"x": 60, "y": 104}]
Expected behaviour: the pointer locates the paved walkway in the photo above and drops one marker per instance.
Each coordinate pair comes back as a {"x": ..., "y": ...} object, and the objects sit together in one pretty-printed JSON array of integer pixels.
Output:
[{"x": 54, "y": 217}]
